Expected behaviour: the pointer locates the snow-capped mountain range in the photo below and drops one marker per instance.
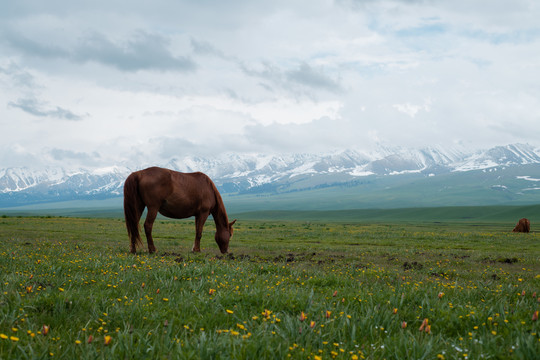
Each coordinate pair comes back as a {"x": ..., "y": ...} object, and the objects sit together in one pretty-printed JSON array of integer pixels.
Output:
[{"x": 255, "y": 173}]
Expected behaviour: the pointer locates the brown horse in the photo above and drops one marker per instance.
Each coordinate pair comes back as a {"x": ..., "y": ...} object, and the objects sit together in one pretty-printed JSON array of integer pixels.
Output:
[
  {"x": 523, "y": 225},
  {"x": 176, "y": 195}
]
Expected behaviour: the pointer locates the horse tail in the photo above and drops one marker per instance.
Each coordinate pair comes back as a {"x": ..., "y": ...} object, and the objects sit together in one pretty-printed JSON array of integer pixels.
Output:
[{"x": 133, "y": 208}]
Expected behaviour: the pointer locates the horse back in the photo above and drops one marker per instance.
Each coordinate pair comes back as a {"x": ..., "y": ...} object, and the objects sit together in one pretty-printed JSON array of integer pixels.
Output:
[
  {"x": 196, "y": 188},
  {"x": 154, "y": 185},
  {"x": 176, "y": 194}
]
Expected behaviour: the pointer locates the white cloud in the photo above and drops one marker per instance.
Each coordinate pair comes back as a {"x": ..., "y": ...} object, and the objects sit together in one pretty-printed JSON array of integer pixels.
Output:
[
  {"x": 411, "y": 109},
  {"x": 143, "y": 79}
]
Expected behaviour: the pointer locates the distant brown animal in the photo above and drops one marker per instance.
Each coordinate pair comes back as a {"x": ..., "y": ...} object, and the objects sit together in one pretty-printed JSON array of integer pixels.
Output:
[
  {"x": 523, "y": 225},
  {"x": 176, "y": 195}
]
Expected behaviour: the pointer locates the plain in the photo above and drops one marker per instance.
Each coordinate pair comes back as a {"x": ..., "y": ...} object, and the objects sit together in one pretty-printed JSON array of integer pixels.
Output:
[{"x": 288, "y": 289}]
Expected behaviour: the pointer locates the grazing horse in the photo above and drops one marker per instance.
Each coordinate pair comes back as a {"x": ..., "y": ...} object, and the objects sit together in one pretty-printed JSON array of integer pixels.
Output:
[
  {"x": 523, "y": 225},
  {"x": 176, "y": 195}
]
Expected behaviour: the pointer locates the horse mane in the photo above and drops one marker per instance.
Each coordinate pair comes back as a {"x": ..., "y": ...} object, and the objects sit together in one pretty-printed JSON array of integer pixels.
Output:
[{"x": 219, "y": 213}]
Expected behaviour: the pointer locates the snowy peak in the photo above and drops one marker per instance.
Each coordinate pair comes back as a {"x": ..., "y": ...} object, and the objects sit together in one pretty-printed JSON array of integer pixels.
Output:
[
  {"x": 517, "y": 154},
  {"x": 401, "y": 161},
  {"x": 234, "y": 173},
  {"x": 20, "y": 179}
]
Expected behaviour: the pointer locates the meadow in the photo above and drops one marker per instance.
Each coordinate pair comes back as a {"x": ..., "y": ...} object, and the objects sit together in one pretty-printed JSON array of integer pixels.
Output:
[{"x": 287, "y": 289}]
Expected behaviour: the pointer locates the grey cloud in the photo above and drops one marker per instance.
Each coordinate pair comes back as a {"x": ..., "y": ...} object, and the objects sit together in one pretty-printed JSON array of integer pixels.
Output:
[
  {"x": 267, "y": 72},
  {"x": 14, "y": 155},
  {"x": 169, "y": 147},
  {"x": 33, "y": 48},
  {"x": 296, "y": 80},
  {"x": 299, "y": 138},
  {"x": 205, "y": 48},
  {"x": 61, "y": 154},
  {"x": 307, "y": 76},
  {"x": 430, "y": 29},
  {"x": 143, "y": 51},
  {"x": 33, "y": 107},
  {"x": 359, "y": 4},
  {"x": 20, "y": 77},
  {"x": 14, "y": 9},
  {"x": 521, "y": 36}
]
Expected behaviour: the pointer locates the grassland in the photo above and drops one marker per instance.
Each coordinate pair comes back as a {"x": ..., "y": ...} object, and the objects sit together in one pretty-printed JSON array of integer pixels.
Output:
[
  {"x": 288, "y": 289},
  {"x": 468, "y": 214}
]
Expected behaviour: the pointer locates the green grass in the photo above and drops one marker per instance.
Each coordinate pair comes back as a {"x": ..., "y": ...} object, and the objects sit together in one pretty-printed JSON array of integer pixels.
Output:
[
  {"x": 472, "y": 214},
  {"x": 463, "y": 214},
  {"x": 355, "y": 284}
]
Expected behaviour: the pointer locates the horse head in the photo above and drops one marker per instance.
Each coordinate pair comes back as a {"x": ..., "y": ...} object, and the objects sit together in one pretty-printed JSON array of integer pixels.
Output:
[{"x": 223, "y": 236}]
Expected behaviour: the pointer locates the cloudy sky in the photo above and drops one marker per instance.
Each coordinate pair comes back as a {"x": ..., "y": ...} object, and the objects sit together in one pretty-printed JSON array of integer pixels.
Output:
[{"x": 99, "y": 83}]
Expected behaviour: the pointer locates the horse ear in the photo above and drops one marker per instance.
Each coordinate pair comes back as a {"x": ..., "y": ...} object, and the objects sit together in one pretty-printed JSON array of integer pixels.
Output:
[{"x": 231, "y": 224}]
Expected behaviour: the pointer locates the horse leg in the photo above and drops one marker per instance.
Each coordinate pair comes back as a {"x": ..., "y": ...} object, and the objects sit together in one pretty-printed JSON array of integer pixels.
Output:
[
  {"x": 199, "y": 225},
  {"x": 148, "y": 224}
]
